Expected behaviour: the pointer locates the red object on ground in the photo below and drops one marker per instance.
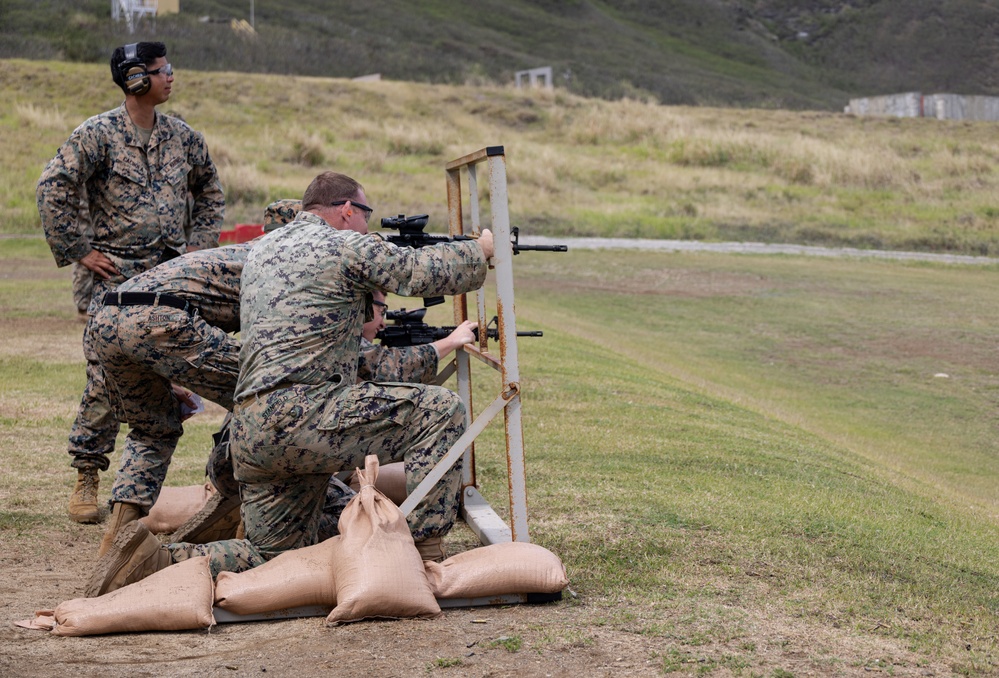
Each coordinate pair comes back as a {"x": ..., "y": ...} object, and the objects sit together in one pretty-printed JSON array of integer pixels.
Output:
[
  {"x": 227, "y": 237},
  {"x": 247, "y": 232}
]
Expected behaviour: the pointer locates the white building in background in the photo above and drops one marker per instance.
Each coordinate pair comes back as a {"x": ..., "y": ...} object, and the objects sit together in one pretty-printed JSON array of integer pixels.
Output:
[
  {"x": 918, "y": 105},
  {"x": 133, "y": 11},
  {"x": 535, "y": 77}
]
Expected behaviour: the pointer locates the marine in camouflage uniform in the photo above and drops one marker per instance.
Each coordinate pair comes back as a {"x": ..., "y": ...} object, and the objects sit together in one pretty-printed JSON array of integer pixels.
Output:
[
  {"x": 410, "y": 364},
  {"x": 136, "y": 181},
  {"x": 145, "y": 346},
  {"x": 300, "y": 417}
]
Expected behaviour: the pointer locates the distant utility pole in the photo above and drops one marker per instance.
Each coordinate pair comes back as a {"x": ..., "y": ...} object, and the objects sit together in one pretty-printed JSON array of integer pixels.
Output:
[{"x": 251, "y": 16}]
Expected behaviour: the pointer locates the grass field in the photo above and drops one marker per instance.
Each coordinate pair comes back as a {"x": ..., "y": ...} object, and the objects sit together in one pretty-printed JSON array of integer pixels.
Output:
[
  {"x": 576, "y": 166},
  {"x": 720, "y": 448},
  {"x": 751, "y": 465}
]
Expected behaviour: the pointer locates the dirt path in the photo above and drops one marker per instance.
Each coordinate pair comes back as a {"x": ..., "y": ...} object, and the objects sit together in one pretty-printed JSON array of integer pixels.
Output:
[
  {"x": 750, "y": 248},
  {"x": 729, "y": 247}
]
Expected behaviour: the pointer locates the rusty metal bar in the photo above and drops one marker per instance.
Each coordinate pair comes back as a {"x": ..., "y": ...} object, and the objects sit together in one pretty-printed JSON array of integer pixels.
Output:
[
  {"x": 462, "y": 366},
  {"x": 509, "y": 356},
  {"x": 474, "y": 157},
  {"x": 448, "y": 460},
  {"x": 493, "y": 160}
]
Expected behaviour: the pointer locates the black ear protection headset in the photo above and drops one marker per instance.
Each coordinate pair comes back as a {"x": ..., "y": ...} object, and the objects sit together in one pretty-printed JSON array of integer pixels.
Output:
[{"x": 133, "y": 72}]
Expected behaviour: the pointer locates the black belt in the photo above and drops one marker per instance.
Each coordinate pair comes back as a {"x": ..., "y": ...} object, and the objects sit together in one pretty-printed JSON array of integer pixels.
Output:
[{"x": 146, "y": 299}]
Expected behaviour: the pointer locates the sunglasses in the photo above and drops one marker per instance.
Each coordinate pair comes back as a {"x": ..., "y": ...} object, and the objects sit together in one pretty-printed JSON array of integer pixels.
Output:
[
  {"x": 165, "y": 69},
  {"x": 359, "y": 205}
]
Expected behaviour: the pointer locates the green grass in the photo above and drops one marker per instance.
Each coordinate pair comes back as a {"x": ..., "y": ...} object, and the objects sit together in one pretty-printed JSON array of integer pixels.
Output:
[
  {"x": 714, "y": 443},
  {"x": 711, "y": 432}
]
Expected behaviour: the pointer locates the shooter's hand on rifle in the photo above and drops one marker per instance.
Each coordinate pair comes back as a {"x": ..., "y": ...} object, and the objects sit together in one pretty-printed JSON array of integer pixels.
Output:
[
  {"x": 486, "y": 241},
  {"x": 463, "y": 334}
]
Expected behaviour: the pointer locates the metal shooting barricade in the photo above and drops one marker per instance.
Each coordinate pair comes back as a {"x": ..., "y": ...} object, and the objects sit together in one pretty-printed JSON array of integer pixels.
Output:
[{"x": 480, "y": 517}]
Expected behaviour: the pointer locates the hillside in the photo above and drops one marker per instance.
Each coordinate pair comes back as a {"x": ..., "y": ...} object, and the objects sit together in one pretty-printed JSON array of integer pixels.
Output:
[{"x": 746, "y": 53}]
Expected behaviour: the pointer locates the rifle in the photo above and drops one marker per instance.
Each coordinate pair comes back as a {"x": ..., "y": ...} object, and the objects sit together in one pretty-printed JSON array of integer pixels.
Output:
[
  {"x": 408, "y": 329},
  {"x": 411, "y": 235}
]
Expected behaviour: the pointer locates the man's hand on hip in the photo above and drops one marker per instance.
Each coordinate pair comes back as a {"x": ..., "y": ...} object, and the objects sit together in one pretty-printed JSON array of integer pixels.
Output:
[{"x": 99, "y": 264}]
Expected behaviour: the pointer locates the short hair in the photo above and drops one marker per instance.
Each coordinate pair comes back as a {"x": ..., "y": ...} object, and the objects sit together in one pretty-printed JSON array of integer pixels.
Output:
[
  {"x": 329, "y": 187},
  {"x": 146, "y": 52}
]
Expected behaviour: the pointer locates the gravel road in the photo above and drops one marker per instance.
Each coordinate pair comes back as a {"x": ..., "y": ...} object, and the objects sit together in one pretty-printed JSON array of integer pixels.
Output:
[{"x": 749, "y": 248}]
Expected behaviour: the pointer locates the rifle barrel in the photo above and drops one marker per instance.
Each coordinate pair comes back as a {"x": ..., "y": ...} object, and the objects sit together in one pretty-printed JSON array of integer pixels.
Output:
[{"x": 541, "y": 248}]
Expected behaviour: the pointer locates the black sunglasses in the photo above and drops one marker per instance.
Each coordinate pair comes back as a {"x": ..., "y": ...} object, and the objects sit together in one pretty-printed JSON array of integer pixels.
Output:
[
  {"x": 166, "y": 70},
  {"x": 359, "y": 205}
]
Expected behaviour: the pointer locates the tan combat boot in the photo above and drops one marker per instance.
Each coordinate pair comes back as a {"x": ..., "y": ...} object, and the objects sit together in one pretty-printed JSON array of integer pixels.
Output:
[
  {"x": 122, "y": 514},
  {"x": 216, "y": 521},
  {"x": 135, "y": 554},
  {"x": 432, "y": 549},
  {"x": 83, "y": 502}
]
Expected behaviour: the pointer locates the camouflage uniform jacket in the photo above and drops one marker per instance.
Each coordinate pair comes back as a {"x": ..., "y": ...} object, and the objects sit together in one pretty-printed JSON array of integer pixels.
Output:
[
  {"x": 138, "y": 196},
  {"x": 413, "y": 364},
  {"x": 207, "y": 279},
  {"x": 303, "y": 298}
]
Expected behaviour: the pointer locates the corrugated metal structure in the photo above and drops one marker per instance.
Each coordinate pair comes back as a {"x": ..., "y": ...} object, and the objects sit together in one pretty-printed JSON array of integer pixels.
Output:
[{"x": 918, "y": 105}]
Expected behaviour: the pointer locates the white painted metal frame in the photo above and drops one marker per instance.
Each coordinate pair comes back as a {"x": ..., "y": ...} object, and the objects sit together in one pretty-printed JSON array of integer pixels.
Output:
[
  {"x": 476, "y": 511},
  {"x": 133, "y": 11}
]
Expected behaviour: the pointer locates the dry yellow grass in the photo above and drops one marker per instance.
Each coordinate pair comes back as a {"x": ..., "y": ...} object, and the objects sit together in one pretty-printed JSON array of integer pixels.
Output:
[{"x": 587, "y": 167}]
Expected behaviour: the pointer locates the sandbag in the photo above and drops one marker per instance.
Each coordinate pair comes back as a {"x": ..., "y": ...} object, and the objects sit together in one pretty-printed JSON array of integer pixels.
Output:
[
  {"x": 176, "y": 598},
  {"x": 293, "y": 579},
  {"x": 391, "y": 482},
  {"x": 175, "y": 505},
  {"x": 378, "y": 571},
  {"x": 497, "y": 569}
]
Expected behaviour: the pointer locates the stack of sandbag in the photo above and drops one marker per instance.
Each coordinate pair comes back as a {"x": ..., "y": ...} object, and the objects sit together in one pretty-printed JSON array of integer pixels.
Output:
[
  {"x": 378, "y": 571},
  {"x": 497, "y": 569},
  {"x": 175, "y": 506},
  {"x": 298, "y": 578},
  {"x": 176, "y": 598},
  {"x": 391, "y": 482}
]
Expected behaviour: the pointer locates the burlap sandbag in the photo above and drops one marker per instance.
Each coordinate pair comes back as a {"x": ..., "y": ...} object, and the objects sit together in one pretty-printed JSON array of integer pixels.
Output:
[
  {"x": 176, "y": 598},
  {"x": 293, "y": 579},
  {"x": 498, "y": 569},
  {"x": 378, "y": 571},
  {"x": 391, "y": 482},
  {"x": 175, "y": 505}
]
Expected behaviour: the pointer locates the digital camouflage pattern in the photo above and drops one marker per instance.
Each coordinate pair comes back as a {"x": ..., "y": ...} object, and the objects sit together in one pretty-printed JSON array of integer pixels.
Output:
[
  {"x": 83, "y": 287},
  {"x": 143, "y": 349},
  {"x": 411, "y": 364},
  {"x": 304, "y": 292},
  {"x": 137, "y": 196},
  {"x": 207, "y": 279},
  {"x": 138, "y": 201},
  {"x": 83, "y": 277},
  {"x": 281, "y": 212},
  {"x": 96, "y": 426},
  {"x": 299, "y": 415}
]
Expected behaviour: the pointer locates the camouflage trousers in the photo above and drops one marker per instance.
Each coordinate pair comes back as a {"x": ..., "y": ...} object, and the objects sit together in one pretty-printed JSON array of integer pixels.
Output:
[
  {"x": 222, "y": 475},
  {"x": 91, "y": 440},
  {"x": 287, "y": 443},
  {"x": 83, "y": 287},
  {"x": 143, "y": 349}
]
